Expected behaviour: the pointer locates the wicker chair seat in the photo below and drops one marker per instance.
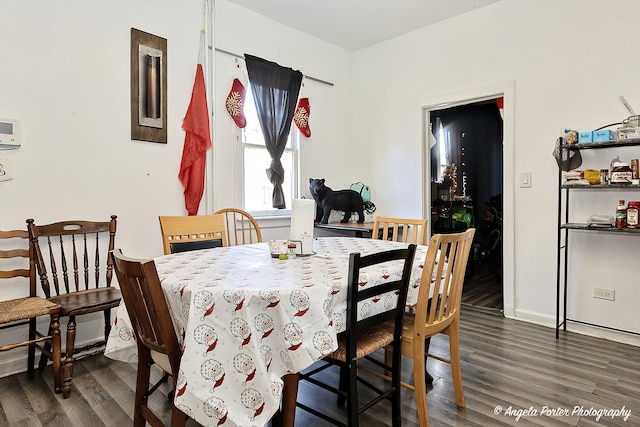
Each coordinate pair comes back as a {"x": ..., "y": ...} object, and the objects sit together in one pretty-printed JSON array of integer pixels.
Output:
[
  {"x": 370, "y": 341},
  {"x": 24, "y": 308}
]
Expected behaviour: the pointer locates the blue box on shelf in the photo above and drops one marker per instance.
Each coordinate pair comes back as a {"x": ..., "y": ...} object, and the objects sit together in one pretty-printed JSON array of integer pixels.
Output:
[
  {"x": 604, "y": 135},
  {"x": 585, "y": 137}
]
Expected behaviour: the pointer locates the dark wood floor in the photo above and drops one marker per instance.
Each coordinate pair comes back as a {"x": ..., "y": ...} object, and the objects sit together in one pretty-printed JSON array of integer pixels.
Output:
[
  {"x": 483, "y": 286},
  {"x": 505, "y": 364}
]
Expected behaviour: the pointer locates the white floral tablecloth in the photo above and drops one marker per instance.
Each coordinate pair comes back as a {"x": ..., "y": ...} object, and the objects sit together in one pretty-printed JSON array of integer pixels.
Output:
[{"x": 246, "y": 320}]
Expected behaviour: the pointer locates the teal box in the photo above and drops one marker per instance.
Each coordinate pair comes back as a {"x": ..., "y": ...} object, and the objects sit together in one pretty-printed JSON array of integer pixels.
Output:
[
  {"x": 604, "y": 135},
  {"x": 584, "y": 137}
]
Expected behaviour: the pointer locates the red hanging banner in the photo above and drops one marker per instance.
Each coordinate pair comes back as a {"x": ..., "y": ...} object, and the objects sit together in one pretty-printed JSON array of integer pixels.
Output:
[{"x": 197, "y": 141}]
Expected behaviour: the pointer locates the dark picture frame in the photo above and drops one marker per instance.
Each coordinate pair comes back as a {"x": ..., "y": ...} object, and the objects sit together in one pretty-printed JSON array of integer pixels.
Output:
[{"x": 148, "y": 87}]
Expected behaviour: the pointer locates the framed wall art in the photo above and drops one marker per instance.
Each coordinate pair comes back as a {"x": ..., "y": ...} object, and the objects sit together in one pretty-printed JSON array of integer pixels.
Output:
[{"x": 148, "y": 87}]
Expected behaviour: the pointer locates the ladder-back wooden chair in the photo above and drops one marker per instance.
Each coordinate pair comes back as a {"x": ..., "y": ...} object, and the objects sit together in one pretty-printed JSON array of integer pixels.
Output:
[
  {"x": 437, "y": 312},
  {"x": 188, "y": 233},
  {"x": 363, "y": 337},
  {"x": 154, "y": 332},
  {"x": 402, "y": 230},
  {"x": 15, "y": 267},
  {"x": 240, "y": 226},
  {"x": 75, "y": 269}
]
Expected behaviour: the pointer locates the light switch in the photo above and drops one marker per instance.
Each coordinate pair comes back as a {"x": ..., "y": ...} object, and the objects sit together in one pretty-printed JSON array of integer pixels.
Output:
[
  {"x": 5, "y": 170},
  {"x": 525, "y": 180}
]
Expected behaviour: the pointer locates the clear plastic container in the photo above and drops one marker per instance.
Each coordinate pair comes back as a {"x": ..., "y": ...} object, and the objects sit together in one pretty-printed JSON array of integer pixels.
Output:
[
  {"x": 291, "y": 252},
  {"x": 616, "y": 159}
]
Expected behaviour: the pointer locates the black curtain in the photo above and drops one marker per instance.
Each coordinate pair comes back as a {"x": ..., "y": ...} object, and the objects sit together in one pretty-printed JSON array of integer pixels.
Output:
[{"x": 275, "y": 90}]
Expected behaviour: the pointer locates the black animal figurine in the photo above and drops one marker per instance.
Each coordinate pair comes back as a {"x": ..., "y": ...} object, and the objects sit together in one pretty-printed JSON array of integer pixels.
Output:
[{"x": 326, "y": 199}]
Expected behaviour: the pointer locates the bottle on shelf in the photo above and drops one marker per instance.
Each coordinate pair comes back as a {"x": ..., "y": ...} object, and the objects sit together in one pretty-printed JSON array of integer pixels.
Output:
[
  {"x": 621, "y": 215},
  {"x": 604, "y": 176},
  {"x": 616, "y": 159},
  {"x": 633, "y": 215}
]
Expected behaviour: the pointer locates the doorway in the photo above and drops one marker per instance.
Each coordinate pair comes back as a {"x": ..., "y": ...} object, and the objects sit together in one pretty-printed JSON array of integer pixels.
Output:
[
  {"x": 467, "y": 182},
  {"x": 465, "y": 97}
]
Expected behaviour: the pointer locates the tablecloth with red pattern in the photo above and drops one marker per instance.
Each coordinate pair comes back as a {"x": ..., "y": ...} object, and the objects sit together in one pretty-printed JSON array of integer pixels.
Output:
[{"x": 246, "y": 319}]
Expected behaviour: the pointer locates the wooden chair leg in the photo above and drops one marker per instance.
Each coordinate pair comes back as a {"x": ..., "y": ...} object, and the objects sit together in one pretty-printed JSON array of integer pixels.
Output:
[
  {"x": 31, "y": 358},
  {"x": 419, "y": 382},
  {"x": 178, "y": 418},
  {"x": 44, "y": 358},
  {"x": 429, "y": 378},
  {"x": 456, "y": 371},
  {"x": 344, "y": 381},
  {"x": 67, "y": 366},
  {"x": 107, "y": 324},
  {"x": 56, "y": 352},
  {"x": 142, "y": 387},
  {"x": 388, "y": 358},
  {"x": 352, "y": 398},
  {"x": 289, "y": 397},
  {"x": 396, "y": 414}
]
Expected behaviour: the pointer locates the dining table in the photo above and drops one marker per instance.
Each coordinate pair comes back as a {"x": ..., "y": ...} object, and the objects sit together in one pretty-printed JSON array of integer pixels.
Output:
[{"x": 246, "y": 320}]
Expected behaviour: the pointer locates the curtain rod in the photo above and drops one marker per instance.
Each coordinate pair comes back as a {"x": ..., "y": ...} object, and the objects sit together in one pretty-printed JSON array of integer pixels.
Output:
[{"x": 242, "y": 57}]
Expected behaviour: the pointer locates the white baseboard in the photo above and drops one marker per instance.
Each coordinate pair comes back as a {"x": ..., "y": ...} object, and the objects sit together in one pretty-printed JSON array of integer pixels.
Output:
[
  {"x": 13, "y": 365},
  {"x": 593, "y": 331},
  {"x": 89, "y": 329}
]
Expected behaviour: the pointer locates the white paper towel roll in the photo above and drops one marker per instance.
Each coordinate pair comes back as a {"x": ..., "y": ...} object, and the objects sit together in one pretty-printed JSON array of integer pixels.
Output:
[{"x": 303, "y": 212}]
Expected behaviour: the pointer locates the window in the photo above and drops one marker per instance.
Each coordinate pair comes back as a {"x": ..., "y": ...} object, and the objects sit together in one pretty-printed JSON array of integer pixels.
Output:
[{"x": 257, "y": 189}]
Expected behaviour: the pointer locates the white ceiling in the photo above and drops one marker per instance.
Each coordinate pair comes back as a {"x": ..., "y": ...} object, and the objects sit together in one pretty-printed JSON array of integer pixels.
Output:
[{"x": 355, "y": 24}]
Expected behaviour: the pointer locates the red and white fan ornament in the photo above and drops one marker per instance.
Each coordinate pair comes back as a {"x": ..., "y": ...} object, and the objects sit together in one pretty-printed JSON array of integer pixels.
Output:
[
  {"x": 302, "y": 113},
  {"x": 235, "y": 100}
]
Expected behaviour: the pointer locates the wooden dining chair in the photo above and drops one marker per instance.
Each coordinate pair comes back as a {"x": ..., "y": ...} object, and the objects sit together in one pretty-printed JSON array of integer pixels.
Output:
[
  {"x": 154, "y": 333},
  {"x": 16, "y": 267},
  {"x": 188, "y": 233},
  {"x": 437, "y": 312},
  {"x": 402, "y": 230},
  {"x": 240, "y": 226},
  {"x": 364, "y": 336},
  {"x": 75, "y": 270}
]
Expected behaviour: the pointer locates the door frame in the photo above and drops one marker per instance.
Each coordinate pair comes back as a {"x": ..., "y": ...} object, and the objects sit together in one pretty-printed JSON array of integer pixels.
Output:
[{"x": 468, "y": 96}]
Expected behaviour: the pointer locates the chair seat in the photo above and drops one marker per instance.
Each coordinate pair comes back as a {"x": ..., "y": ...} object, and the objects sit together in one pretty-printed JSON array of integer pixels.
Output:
[
  {"x": 408, "y": 328},
  {"x": 24, "y": 308},
  {"x": 372, "y": 340},
  {"x": 87, "y": 301},
  {"x": 161, "y": 360}
]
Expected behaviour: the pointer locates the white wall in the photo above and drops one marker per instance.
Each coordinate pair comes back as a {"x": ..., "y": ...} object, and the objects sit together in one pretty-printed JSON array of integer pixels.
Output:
[
  {"x": 65, "y": 76},
  {"x": 569, "y": 62}
]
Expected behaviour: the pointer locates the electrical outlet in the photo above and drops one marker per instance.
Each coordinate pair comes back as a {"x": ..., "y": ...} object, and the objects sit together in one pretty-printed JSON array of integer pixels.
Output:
[{"x": 608, "y": 294}]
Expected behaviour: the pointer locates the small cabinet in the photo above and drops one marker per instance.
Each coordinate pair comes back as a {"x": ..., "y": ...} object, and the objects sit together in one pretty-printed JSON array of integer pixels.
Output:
[{"x": 565, "y": 226}]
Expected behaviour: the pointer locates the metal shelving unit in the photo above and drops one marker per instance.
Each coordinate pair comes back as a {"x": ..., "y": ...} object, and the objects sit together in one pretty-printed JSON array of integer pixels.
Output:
[{"x": 564, "y": 226}]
